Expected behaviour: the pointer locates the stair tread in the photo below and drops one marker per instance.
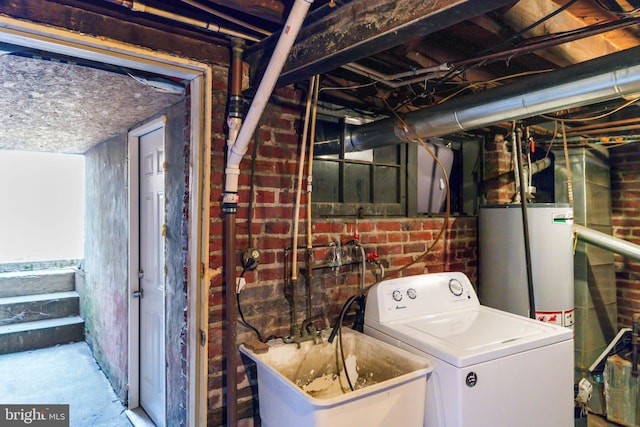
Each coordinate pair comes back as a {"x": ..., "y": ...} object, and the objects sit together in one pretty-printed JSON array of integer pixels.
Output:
[
  {"x": 29, "y": 273},
  {"x": 40, "y": 324},
  {"x": 38, "y": 297}
]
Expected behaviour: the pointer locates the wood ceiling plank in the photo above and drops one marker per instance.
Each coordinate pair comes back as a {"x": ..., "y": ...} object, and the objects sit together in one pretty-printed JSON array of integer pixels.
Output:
[{"x": 526, "y": 12}]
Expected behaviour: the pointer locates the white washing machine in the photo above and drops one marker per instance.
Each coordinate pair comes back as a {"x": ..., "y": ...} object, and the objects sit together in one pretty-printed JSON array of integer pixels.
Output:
[{"x": 491, "y": 368}]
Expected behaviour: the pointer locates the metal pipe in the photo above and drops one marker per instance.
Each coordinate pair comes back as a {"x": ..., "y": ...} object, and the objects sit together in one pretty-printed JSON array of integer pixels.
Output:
[
  {"x": 634, "y": 345},
  {"x": 424, "y": 73},
  {"x": 602, "y": 79},
  {"x": 209, "y": 26},
  {"x": 610, "y": 243},
  {"x": 226, "y": 17},
  {"x": 229, "y": 210}
]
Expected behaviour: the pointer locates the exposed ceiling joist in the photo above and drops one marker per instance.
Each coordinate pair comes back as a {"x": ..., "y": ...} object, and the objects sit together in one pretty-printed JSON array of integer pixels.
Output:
[
  {"x": 526, "y": 12},
  {"x": 360, "y": 29}
]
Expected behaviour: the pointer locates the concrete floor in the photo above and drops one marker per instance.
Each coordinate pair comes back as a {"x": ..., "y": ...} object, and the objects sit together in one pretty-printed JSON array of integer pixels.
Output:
[
  {"x": 65, "y": 374},
  {"x": 594, "y": 420}
]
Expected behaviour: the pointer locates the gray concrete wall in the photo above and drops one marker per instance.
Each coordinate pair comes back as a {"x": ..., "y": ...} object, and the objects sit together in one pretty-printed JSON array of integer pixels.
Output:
[
  {"x": 104, "y": 291},
  {"x": 177, "y": 205},
  {"x": 104, "y": 294}
]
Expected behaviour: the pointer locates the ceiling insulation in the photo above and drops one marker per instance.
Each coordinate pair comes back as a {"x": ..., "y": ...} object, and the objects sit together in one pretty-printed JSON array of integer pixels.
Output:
[{"x": 62, "y": 107}]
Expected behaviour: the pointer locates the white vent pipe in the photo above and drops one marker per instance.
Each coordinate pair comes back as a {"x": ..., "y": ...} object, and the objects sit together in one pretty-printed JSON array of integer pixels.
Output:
[
  {"x": 238, "y": 149},
  {"x": 602, "y": 79}
]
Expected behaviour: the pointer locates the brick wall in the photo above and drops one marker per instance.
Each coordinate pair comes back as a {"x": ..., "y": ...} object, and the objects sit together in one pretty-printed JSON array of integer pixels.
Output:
[
  {"x": 264, "y": 301},
  {"x": 499, "y": 184},
  {"x": 625, "y": 200}
]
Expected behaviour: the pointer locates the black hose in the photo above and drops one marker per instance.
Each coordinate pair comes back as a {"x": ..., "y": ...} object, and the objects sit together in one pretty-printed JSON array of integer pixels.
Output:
[{"x": 525, "y": 229}]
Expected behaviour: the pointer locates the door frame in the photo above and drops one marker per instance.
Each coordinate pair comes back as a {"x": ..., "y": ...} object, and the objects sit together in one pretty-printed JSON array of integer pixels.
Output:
[
  {"x": 133, "y": 139},
  {"x": 199, "y": 75}
]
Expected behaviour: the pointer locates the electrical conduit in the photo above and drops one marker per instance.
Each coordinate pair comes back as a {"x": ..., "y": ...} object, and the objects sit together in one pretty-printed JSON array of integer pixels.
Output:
[{"x": 236, "y": 150}]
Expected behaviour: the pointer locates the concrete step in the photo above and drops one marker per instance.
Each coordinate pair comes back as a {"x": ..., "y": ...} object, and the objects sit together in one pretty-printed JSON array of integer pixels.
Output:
[
  {"x": 29, "y": 308},
  {"x": 40, "y": 334},
  {"x": 36, "y": 282}
]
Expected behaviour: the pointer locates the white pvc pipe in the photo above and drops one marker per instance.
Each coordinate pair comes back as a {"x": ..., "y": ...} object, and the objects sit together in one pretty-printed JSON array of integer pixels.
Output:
[{"x": 268, "y": 82}]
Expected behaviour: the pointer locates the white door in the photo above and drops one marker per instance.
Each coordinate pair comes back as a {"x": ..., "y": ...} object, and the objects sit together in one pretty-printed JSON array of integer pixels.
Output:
[{"x": 152, "y": 302}]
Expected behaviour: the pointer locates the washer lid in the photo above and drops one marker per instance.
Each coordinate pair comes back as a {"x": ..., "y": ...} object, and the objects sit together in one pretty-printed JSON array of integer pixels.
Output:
[{"x": 467, "y": 337}]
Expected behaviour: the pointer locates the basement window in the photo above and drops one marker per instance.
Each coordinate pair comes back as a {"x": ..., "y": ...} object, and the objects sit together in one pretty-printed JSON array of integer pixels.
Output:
[
  {"x": 396, "y": 180},
  {"x": 359, "y": 183}
]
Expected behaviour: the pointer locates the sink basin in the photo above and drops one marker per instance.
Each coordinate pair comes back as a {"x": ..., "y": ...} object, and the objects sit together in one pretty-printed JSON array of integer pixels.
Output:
[{"x": 307, "y": 386}]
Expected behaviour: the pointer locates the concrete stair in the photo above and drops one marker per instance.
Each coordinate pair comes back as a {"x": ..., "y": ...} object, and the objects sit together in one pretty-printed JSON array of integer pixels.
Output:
[{"x": 38, "y": 309}]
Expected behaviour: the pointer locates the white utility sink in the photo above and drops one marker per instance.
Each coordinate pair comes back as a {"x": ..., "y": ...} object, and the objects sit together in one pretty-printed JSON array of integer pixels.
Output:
[{"x": 308, "y": 386}]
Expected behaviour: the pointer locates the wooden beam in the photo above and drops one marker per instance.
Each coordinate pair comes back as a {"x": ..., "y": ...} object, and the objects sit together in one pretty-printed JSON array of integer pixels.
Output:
[
  {"x": 270, "y": 10},
  {"x": 362, "y": 28},
  {"x": 119, "y": 25}
]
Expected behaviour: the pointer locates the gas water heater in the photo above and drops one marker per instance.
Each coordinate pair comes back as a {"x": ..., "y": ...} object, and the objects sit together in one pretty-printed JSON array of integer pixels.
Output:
[{"x": 502, "y": 273}]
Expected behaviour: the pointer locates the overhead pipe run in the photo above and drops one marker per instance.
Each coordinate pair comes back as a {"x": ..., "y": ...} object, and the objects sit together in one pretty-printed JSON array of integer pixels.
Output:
[
  {"x": 136, "y": 6},
  {"x": 603, "y": 79}
]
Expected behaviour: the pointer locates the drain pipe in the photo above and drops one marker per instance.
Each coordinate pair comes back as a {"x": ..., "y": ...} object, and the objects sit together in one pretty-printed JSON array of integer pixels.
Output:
[
  {"x": 236, "y": 150},
  {"x": 229, "y": 209}
]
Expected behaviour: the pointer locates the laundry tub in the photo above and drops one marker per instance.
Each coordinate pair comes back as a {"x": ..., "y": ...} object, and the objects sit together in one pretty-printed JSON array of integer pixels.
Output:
[{"x": 307, "y": 386}]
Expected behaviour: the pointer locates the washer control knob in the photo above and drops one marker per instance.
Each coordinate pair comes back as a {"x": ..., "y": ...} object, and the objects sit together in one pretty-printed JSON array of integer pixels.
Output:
[
  {"x": 411, "y": 293},
  {"x": 397, "y": 295},
  {"x": 456, "y": 287}
]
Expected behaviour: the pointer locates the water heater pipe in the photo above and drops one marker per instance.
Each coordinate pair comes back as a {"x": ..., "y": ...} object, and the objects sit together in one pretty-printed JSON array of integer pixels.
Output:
[
  {"x": 603, "y": 79},
  {"x": 525, "y": 222},
  {"x": 605, "y": 241}
]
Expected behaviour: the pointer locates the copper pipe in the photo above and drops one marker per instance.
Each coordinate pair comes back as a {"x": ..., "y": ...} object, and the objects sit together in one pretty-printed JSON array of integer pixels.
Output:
[
  {"x": 230, "y": 316},
  {"x": 606, "y": 124}
]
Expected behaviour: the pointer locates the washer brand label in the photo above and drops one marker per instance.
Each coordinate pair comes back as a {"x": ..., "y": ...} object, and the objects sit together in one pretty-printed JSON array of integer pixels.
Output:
[
  {"x": 400, "y": 307},
  {"x": 472, "y": 379}
]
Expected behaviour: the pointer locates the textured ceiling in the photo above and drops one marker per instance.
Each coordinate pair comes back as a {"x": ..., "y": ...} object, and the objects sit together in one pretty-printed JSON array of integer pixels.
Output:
[{"x": 63, "y": 107}]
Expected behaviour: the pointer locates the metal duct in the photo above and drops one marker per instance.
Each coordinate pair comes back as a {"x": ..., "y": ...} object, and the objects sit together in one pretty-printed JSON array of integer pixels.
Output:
[
  {"x": 602, "y": 79},
  {"x": 610, "y": 243}
]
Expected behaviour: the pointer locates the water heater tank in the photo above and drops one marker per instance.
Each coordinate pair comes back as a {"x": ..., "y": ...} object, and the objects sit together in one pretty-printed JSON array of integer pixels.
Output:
[{"x": 502, "y": 274}]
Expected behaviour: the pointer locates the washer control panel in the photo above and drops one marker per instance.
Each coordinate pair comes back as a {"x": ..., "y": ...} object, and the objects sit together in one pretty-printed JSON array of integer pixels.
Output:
[{"x": 420, "y": 295}]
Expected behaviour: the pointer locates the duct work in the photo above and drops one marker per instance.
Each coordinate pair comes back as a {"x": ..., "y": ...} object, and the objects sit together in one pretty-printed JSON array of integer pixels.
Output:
[{"x": 599, "y": 80}]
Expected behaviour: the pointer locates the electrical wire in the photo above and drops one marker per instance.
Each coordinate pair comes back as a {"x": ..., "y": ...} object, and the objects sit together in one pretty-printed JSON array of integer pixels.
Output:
[
  {"x": 445, "y": 223},
  {"x": 244, "y": 322},
  {"x": 586, "y": 119},
  {"x": 459, "y": 69},
  {"x": 615, "y": 12}
]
